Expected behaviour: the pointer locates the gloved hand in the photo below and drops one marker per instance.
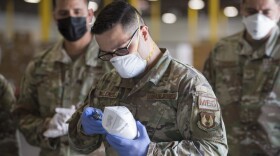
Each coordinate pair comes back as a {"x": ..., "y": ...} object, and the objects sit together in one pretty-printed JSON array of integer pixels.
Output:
[
  {"x": 58, "y": 126},
  {"x": 127, "y": 147},
  {"x": 91, "y": 124}
]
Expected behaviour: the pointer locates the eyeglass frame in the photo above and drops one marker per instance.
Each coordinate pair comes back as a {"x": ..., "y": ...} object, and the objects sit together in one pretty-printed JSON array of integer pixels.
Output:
[{"x": 107, "y": 53}]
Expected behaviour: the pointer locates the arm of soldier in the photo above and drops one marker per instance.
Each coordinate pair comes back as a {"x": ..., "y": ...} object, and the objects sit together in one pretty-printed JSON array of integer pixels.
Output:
[
  {"x": 27, "y": 113},
  {"x": 201, "y": 136},
  {"x": 77, "y": 138},
  {"x": 7, "y": 97},
  {"x": 209, "y": 68}
]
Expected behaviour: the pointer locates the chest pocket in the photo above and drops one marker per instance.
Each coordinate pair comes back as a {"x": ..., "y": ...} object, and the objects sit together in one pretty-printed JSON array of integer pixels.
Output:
[
  {"x": 49, "y": 91},
  {"x": 228, "y": 82},
  {"x": 159, "y": 116}
]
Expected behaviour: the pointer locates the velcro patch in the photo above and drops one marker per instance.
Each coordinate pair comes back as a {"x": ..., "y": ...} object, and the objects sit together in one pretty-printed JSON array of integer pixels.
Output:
[
  {"x": 207, "y": 121},
  {"x": 162, "y": 96},
  {"x": 208, "y": 103},
  {"x": 107, "y": 94}
]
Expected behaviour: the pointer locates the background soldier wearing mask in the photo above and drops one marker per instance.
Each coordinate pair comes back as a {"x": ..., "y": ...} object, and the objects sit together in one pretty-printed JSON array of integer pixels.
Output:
[
  {"x": 176, "y": 109},
  {"x": 59, "y": 79},
  {"x": 8, "y": 141},
  {"x": 243, "y": 70}
]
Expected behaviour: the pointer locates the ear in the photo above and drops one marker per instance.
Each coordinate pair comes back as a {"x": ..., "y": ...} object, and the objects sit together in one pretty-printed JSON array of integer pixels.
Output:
[
  {"x": 90, "y": 15},
  {"x": 145, "y": 32}
]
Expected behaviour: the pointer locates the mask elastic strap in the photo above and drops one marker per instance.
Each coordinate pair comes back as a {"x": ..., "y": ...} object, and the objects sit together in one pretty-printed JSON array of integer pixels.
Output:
[{"x": 152, "y": 51}]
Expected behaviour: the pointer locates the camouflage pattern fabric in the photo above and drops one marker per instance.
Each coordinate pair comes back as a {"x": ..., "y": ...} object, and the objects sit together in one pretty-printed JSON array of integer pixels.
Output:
[
  {"x": 246, "y": 81},
  {"x": 174, "y": 102},
  {"x": 8, "y": 141},
  {"x": 53, "y": 80}
]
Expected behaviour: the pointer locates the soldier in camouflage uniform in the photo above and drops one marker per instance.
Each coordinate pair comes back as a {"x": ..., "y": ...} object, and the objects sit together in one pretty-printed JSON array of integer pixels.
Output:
[
  {"x": 8, "y": 142},
  {"x": 176, "y": 107},
  {"x": 243, "y": 70},
  {"x": 58, "y": 80}
]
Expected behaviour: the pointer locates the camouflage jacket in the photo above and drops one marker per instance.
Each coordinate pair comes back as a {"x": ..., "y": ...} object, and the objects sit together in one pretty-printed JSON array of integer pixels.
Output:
[
  {"x": 245, "y": 81},
  {"x": 175, "y": 103},
  {"x": 53, "y": 80},
  {"x": 8, "y": 142}
]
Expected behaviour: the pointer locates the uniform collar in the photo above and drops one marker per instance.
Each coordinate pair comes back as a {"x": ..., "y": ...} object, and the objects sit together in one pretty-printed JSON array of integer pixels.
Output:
[
  {"x": 153, "y": 76},
  {"x": 264, "y": 50},
  {"x": 60, "y": 55}
]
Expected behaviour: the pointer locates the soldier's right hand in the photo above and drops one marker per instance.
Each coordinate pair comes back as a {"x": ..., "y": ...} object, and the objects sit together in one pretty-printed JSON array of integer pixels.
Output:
[{"x": 90, "y": 124}]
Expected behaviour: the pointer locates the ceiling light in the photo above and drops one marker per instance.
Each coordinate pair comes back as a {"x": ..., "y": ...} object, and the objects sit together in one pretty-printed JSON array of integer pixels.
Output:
[
  {"x": 230, "y": 11},
  {"x": 92, "y": 5},
  {"x": 32, "y": 1},
  {"x": 169, "y": 18},
  {"x": 196, "y": 4}
]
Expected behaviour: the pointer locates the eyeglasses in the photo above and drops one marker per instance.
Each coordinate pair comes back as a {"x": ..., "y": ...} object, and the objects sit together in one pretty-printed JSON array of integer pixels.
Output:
[{"x": 106, "y": 55}]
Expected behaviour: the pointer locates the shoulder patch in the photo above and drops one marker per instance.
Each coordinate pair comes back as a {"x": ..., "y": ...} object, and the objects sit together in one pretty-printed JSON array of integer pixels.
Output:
[
  {"x": 208, "y": 103},
  {"x": 207, "y": 121}
]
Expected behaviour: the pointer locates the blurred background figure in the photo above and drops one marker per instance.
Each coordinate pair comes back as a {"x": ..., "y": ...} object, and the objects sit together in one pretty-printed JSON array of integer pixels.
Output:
[
  {"x": 58, "y": 80},
  {"x": 8, "y": 141},
  {"x": 244, "y": 71}
]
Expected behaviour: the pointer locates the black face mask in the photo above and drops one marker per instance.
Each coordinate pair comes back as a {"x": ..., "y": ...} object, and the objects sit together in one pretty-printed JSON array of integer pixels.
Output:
[{"x": 72, "y": 28}]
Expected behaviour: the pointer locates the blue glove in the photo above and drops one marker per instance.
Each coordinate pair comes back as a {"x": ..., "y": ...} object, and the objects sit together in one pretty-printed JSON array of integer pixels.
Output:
[
  {"x": 91, "y": 121},
  {"x": 127, "y": 147}
]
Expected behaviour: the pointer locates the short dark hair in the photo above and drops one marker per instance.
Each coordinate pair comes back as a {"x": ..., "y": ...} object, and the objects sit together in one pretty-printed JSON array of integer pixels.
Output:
[
  {"x": 54, "y": 3},
  {"x": 117, "y": 12}
]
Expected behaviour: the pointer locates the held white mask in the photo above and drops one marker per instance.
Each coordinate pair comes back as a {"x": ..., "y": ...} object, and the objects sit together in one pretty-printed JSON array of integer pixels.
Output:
[
  {"x": 118, "y": 120},
  {"x": 258, "y": 25},
  {"x": 130, "y": 65}
]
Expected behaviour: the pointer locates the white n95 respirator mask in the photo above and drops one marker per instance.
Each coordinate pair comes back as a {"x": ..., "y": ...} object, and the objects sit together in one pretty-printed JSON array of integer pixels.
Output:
[
  {"x": 119, "y": 121},
  {"x": 258, "y": 25},
  {"x": 130, "y": 65}
]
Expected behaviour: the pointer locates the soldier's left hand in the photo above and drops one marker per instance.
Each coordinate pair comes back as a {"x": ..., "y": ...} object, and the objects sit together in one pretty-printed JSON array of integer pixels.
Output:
[
  {"x": 127, "y": 147},
  {"x": 58, "y": 125}
]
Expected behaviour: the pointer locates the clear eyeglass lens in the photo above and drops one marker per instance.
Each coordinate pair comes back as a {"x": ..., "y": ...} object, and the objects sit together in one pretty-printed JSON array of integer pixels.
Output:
[{"x": 122, "y": 52}]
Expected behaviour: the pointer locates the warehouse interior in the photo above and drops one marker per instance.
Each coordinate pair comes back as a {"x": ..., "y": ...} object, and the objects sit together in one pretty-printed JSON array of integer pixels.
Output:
[{"x": 188, "y": 28}]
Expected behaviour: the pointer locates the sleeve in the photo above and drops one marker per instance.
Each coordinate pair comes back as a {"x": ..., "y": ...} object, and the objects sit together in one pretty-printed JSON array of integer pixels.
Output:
[
  {"x": 199, "y": 122},
  {"x": 8, "y": 142},
  {"x": 209, "y": 68},
  {"x": 78, "y": 140},
  {"x": 7, "y": 95},
  {"x": 27, "y": 113}
]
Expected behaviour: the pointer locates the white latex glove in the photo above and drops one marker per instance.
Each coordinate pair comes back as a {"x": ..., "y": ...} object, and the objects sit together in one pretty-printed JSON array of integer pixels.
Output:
[{"x": 58, "y": 126}]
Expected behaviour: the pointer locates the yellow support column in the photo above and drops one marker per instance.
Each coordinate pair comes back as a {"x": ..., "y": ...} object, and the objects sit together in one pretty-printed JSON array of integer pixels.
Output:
[
  {"x": 10, "y": 19},
  {"x": 106, "y": 2},
  {"x": 192, "y": 25},
  {"x": 134, "y": 3},
  {"x": 155, "y": 19},
  {"x": 45, "y": 16},
  {"x": 214, "y": 6}
]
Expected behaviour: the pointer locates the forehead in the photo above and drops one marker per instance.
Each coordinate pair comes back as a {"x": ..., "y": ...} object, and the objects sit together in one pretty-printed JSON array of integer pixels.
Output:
[
  {"x": 260, "y": 4},
  {"x": 71, "y": 4},
  {"x": 112, "y": 39}
]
